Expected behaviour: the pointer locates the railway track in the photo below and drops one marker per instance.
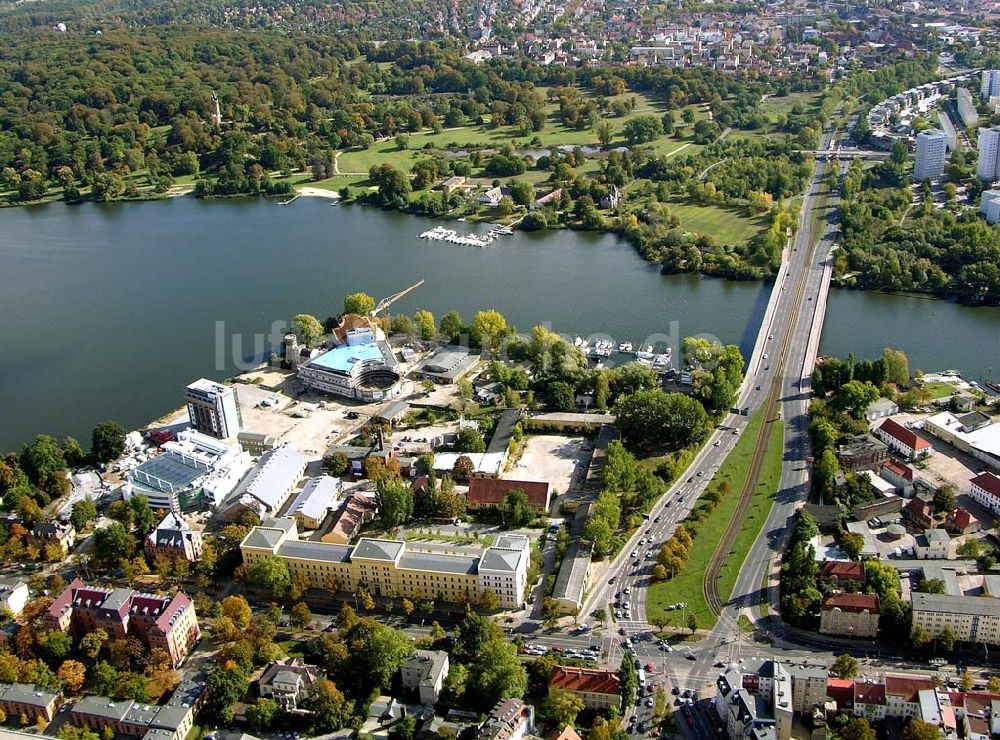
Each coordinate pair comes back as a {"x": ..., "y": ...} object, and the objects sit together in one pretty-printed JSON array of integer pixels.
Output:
[{"x": 769, "y": 408}]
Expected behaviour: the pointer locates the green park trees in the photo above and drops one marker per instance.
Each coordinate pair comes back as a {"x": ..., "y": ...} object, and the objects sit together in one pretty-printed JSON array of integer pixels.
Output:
[
  {"x": 359, "y": 303},
  {"x": 653, "y": 418},
  {"x": 308, "y": 327}
]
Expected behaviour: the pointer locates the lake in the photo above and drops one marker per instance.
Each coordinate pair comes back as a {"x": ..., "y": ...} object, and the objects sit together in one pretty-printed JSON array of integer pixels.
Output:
[{"x": 110, "y": 310}]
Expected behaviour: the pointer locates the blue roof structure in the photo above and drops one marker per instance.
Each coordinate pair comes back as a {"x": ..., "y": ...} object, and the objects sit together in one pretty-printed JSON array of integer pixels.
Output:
[{"x": 342, "y": 359}]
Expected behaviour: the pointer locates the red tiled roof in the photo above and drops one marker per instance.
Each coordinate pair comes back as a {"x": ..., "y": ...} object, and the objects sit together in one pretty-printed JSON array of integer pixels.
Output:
[
  {"x": 843, "y": 570},
  {"x": 841, "y": 690},
  {"x": 589, "y": 680},
  {"x": 851, "y": 602},
  {"x": 904, "y": 435},
  {"x": 962, "y": 518},
  {"x": 907, "y": 686},
  {"x": 988, "y": 482},
  {"x": 903, "y": 471},
  {"x": 491, "y": 491},
  {"x": 568, "y": 733},
  {"x": 869, "y": 693}
]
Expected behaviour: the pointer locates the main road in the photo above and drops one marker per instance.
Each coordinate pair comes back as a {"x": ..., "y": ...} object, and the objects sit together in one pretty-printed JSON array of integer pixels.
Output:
[{"x": 783, "y": 357}]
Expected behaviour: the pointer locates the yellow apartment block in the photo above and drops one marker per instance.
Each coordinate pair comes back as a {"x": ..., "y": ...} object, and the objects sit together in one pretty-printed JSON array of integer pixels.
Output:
[{"x": 389, "y": 568}]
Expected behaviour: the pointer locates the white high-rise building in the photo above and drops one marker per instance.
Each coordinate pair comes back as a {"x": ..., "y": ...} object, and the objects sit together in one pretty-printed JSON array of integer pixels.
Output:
[
  {"x": 989, "y": 206},
  {"x": 214, "y": 408},
  {"x": 991, "y": 84},
  {"x": 988, "y": 168},
  {"x": 932, "y": 149}
]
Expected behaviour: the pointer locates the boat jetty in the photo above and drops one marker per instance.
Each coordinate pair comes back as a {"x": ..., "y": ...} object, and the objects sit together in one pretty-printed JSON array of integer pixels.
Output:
[
  {"x": 659, "y": 361},
  {"x": 441, "y": 234}
]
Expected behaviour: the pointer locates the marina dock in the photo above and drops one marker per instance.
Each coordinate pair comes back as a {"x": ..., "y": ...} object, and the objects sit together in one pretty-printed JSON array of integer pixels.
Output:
[{"x": 440, "y": 233}]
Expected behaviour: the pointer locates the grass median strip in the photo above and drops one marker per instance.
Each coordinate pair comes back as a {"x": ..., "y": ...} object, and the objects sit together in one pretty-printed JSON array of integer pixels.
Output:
[{"x": 730, "y": 479}]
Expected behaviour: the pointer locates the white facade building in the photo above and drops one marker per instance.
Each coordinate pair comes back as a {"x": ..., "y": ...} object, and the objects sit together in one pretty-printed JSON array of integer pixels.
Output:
[
  {"x": 989, "y": 206},
  {"x": 988, "y": 168},
  {"x": 195, "y": 472},
  {"x": 931, "y": 152}
]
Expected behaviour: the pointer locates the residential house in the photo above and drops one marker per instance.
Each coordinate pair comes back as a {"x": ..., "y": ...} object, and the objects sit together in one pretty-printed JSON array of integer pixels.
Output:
[
  {"x": 510, "y": 719},
  {"x": 485, "y": 492},
  {"x": 869, "y": 700},
  {"x": 165, "y": 622},
  {"x": 548, "y": 200},
  {"x": 851, "y": 614},
  {"x": 920, "y": 512},
  {"x": 599, "y": 689},
  {"x": 493, "y": 196},
  {"x": 962, "y": 521},
  {"x": 173, "y": 720},
  {"x": 174, "y": 539},
  {"x": 384, "y": 716},
  {"x": 903, "y": 441},
  {"x": 288, "y": 682},
  {"x": 424, "y": 672},
  {"x": 60, "y": 533}
]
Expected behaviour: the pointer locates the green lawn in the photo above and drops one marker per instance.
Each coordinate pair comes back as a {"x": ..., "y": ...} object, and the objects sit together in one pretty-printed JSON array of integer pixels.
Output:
[
  {"x": 940, "y": 389},
  {"x": 760, "y": 506},
  {"x": 688, "y": 585},
  {"x": 775, "y": 106},
  {"x": 726, "y": 225}
]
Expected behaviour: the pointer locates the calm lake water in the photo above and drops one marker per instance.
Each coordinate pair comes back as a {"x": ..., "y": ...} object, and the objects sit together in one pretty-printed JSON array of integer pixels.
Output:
[{"x": 110, "y": 310}]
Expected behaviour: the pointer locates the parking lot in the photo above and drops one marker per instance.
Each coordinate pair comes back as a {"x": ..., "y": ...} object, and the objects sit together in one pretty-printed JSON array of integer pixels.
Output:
[{"x": 559, "y": 459}]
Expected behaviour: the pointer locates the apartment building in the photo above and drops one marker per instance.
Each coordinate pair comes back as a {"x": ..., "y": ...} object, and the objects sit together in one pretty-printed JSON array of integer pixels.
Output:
[
  {"x": 599, "y": 689},
  {"x": 854, "y": 615},
  {"x": 988, "y": 168},
  {"x": 510, "y": 719},
  {"x": 387, "y": 567},
  {"x": 971, "y": 618},
  {"x": 931, "y": 153},
  {"x": 214, "y": 408},
  {"x": 165, "y": 622}
]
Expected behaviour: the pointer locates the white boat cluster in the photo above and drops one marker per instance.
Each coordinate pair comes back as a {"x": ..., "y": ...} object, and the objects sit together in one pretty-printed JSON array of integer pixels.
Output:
[
  {"x": 441, "y": 234},
  {"x": 605, "y": 348}
]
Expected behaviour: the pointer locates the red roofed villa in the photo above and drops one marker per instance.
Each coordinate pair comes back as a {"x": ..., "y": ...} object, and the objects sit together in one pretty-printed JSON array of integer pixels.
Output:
[
  {"x": 491, "y": 492},
  {"x": 598, "y": 689},
  {"x": 855, "y": 615},
  {"x": 904, "y": 441}
]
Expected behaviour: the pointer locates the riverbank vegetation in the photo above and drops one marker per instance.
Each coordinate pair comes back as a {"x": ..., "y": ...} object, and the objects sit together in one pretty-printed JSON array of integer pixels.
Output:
[{"x": 891, "y": 244}]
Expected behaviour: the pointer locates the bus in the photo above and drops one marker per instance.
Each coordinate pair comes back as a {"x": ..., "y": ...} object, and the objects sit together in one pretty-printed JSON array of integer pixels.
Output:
[{"x": 642, "y": 678}]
